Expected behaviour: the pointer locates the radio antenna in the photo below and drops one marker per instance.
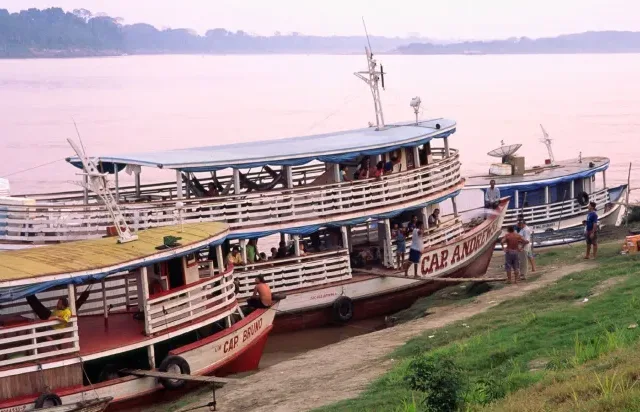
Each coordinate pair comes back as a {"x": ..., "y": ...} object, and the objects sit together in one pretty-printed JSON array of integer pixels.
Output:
[{"x": 367, "y": 34}]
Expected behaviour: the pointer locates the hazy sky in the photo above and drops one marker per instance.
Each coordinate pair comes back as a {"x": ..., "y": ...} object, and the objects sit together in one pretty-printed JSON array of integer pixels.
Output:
[{"x": 431, "y": 18}]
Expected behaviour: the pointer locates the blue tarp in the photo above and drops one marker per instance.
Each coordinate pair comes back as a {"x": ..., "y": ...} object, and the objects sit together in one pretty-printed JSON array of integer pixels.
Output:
[
  {"x": 335, "y": 147},
  {"x": 19, "y": 292}
]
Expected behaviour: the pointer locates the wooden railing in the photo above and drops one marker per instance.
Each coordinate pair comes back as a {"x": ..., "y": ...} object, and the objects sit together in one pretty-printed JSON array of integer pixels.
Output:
[
  {"x": 211, "y": 294},
  {"x": 55, "y": 222},
  {"x": 121, "y": 292},
  {"x": 554, "y": 211},
  {"x": 33, "y": 341},
  {"x": 296, "y": 272}
]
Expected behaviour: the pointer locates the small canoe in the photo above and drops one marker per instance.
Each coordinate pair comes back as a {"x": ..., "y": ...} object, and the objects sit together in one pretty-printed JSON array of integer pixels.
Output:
[{"x": 94, "y": 405}]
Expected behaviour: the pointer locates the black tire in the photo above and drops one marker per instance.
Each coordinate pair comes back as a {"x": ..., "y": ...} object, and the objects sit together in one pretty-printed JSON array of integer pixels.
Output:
[
  {"x": 47, "y": 400},
  {"x": 583, "y": 198},
  {"x": 342, "y": 309},
  {"x": 169, "y": 363}
]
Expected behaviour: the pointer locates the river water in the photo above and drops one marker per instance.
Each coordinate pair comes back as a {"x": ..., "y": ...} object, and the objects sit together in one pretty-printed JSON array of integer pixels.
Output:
[{"x": 588, "y": 103}]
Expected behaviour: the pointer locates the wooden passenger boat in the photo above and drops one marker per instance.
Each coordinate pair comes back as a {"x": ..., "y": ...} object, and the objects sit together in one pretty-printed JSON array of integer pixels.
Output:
[
  {"x": 552, "y": 198},
  {"x": 191, "y": 323},
  {"x": 322, "y": 220}
]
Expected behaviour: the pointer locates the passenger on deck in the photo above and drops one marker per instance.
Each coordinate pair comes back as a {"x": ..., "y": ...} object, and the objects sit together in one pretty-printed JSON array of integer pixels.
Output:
[
  {"x": 302, "y": 249},
  {"x": 261, "y": 298},
  {"x": 344, "y": 173},
  {"x": 282, "y": 250},
  {"x": 211, "y": 190},
  {"x": 252, "y": 251},
  {"x": 364, "y": 169},
  {"x": 434, "y": 219},
  {"x": 234, "y": 257},
  {"x": 492, "y": 196},
  {"x": 379, "y": 170},
  {"x": 263, "y": 257},
  {"x": 274, "y": 253},
  {"x": 412, "y": 224},
  {"x": 388, "y": 166},
  {"x": 401, "y": 244},
  {"x": 61, "y": 313}
]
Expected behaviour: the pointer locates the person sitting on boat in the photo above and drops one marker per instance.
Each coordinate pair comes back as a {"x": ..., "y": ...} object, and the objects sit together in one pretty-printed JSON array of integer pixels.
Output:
[
  {"x": 492, "y": 196},
  {"x": 344, "y": 173},
  {"x": 252, "y": 251},
  {"x": 274, "y": 253},
  {"x": 211, "y": 190},
  {"x": 234, "y": 257},
  {"x": 401, "y": 244},
  {"x": 592, "y": 231},
  {"x": 388, "y": 166},
  {"x": 302, "y": 249},
  {"x": 282, "y": 250},
  {"x": 263, "y": 257},
  {"x": 261, "y": 298},
  {"x": 61, "y": 313},
  {"x": 434, "y": 219},
  {"x": 364, "y": 170},
  {"x": 416, "y": 250},
  {"x": 379, "y": 170}
]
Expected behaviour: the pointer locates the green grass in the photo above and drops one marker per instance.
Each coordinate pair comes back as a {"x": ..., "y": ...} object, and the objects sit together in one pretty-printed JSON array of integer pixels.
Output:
[{"x": 524, "y": 342}]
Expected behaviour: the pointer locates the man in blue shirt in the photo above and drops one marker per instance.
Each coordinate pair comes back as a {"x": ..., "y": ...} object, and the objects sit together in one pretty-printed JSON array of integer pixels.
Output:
[{"x": 591, "y": 231}]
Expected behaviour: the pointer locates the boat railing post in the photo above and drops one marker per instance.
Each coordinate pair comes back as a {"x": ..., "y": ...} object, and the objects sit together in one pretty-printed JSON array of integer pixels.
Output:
[
  {"x": 85, "y": 190},
  {"x": 446, "y": 147},
  {"x": 604, "y": 179},
  {"x": 455, "y": 207},
  {"x": 136, "y": 173},
  {"x": 105, "y": 307},
  {"x": 516, "y": 200},
  {"x": 211, "y": 269},
  {"x": 296, "y": 245},
  {"x": 220, "y": 258},
  {"x": 178, "y": 184},
  {"x": 151, "y": 356},
  {"x": 127, "y": 298},
  {"x": 546, "y": 201},
  {"x": 243, "y": 250},
  {"x": 115, "y": 176},
  {"x": 144, "y": 286},
  {"x": 388, "y": 246},
  {"x": 572, "y": 195}
]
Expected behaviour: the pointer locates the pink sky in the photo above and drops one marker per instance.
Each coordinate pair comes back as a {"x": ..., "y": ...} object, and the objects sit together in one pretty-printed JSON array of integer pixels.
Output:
[{"x": 445, "y": 19}]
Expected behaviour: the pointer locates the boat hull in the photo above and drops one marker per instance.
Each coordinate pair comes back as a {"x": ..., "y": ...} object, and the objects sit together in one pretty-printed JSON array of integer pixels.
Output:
[
  {"x": 233, "y": 350},
  {"x": 381, "y": 295}
]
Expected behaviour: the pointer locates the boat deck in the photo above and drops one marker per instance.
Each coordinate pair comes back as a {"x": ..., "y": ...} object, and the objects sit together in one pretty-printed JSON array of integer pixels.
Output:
[
  {"x": 97, "y": 335},
  {"x": 561, "y": 169}
]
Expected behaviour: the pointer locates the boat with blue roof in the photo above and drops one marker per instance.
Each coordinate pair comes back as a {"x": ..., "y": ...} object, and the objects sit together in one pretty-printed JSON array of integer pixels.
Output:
[
  {"x": 316, "y": 216},
  {"x": 551, "y": 198}
]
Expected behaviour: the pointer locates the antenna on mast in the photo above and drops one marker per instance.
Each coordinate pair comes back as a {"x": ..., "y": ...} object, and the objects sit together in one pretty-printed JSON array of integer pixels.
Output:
[
  {"x": 547, "y": 142},
  {"x": 372, "y": 77},
  {"x": 97, "y": 182}
]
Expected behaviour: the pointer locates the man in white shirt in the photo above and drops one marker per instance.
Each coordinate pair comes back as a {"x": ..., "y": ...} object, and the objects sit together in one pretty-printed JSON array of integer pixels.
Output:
[
  {"x": 492, "y": 196},
  {"x": 416, "y": 250},
  {"x": 527, "y": 253}
]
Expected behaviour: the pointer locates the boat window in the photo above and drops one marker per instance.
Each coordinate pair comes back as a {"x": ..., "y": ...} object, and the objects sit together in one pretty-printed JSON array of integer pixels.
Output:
[
  {"x": 531, "y": 198},
  {"x": 560, "y": 192}
]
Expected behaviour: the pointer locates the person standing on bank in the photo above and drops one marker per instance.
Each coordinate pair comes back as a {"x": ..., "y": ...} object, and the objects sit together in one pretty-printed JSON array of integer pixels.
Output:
[
  {"x": 592, "y": 231},
  {"x": 416, "y": 250},
  {"x": 492, "y": 196},
  {"x": 527, "y": 252},
  {"x": 511, "y": 244}
]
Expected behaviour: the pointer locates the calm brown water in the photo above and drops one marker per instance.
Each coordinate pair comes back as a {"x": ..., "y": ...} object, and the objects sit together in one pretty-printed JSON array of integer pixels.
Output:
[{"x": 588, "y": 103}]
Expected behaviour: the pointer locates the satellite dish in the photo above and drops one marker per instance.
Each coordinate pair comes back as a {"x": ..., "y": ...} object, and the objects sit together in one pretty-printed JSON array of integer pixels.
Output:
[{"x": 505, "y": 150}]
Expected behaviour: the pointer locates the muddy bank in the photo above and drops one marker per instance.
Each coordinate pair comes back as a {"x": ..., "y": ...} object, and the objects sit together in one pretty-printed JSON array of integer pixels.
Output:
[{"x": 342, "y": 370}]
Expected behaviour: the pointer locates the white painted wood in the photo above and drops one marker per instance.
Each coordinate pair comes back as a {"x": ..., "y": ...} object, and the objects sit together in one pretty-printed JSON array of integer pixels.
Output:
[
  {"x": 151, "y": 356},
  {"x": 220, "y": 258},
  {"x": 144, "y": 301},
  {"x": 117, "y": 182},
  {"x": 296, "y": 245},
  {"x": 516, "y": 198},
  {"x": 236, "y": 182},
  {"x": 105, "y": 306},
  {"x": 71, "y": 297},
  {"x": 179, "y": 193},
  {"x": 289, "y": 174}
]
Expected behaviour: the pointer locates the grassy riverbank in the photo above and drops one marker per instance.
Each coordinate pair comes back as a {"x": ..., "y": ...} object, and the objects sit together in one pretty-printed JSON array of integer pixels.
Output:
[{"x": 549, "y": 350}]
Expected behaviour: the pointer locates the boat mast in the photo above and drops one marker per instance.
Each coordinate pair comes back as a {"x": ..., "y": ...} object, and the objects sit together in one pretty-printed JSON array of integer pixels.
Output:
[
  {"x": 372, "y": 77},
  {"x": 547, "y": 142},
  {"x": 97, "y": 182}
]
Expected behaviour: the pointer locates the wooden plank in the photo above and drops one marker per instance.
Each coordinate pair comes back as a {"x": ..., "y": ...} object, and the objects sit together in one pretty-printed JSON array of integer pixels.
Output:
[{"x": 166, "y": 375}]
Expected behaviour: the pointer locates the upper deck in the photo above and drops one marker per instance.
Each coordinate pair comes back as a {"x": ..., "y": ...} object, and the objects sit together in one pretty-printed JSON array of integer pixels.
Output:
[{"x": 546, "y": 175}]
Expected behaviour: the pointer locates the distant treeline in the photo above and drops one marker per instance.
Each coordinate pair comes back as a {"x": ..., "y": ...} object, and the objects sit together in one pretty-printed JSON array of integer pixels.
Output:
[
  {"x": 54, "y": 32},
  {"x": 589, "y": 42}
]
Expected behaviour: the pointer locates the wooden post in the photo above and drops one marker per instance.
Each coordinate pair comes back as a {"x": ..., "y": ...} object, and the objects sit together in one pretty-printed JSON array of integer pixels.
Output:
[
  {"x": 296, "y": 245},
  {"x": 115, "y": 173},
  {"x": 220, "y": 258},
  {"x": 243, "y": 250},
  {"x": 416, "y": 157},
  {"x": 144, "y": 286},
  {"x": 71, "y": 296},
  {"x": 455, "y": 207},
  {"x": 151, "y": 355},
  {"x": 136, "y": 174},
  {"x": 289, "y": 174},
  {"x": 447, "y": 152},
  {"x": 85, "y": 190},
  {"x": 236, "y": 181},
  {"x": 179, "y": 184},
  {"x": 604, "y": 179},
  {"x": 127, "y": 299},
  {"x": 105, "y": 308},
  {"x": 516, "y": 194},
  {"x": 626, "y": 208},
  {"x": 387, "y": 244},
  {"x": 345, "y": 238}
]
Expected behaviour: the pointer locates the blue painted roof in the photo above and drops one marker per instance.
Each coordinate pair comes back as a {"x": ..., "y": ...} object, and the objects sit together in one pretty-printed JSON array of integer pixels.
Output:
[{"x": 333, "y": 147}]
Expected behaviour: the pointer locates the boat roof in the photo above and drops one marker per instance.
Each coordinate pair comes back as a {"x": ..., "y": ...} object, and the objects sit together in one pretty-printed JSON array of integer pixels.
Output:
[
  {"x": 547, "y": 175},
  {"x": 104, "y": 256},
  {"x": 333, "y": 147}
]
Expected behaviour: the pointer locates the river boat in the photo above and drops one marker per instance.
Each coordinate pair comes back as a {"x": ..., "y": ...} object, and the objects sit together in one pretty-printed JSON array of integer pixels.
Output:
[
  {"x": 334, "y": 255},
  {"x": 552, "y": 198}
]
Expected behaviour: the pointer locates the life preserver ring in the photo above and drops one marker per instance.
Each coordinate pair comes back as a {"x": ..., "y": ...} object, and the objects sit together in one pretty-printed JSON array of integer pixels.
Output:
[
  {"x": 169, "y": 364},
  {"x": 583, "y": 198},
  {"x": 47, "y": 400},
  {"x": 342, "y": 309}
]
